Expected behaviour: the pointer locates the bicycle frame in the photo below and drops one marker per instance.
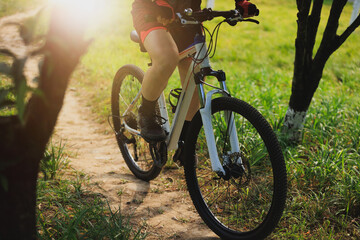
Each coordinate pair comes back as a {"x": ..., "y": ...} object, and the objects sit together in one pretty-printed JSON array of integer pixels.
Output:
[{"x": 198, "y": 51}]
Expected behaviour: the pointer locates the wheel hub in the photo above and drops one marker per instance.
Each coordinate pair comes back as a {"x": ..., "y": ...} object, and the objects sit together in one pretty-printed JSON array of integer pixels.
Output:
[{"x": 234, "y": 169}]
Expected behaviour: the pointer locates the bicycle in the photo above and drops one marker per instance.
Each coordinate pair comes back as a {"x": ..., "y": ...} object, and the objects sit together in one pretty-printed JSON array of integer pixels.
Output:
[{"x": 238, "y": 182}]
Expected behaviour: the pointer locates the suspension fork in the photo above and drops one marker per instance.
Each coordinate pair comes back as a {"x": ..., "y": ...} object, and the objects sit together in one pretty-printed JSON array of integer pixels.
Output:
[
  {"x": 206, "y": 116},
  {"x": 205, "y": 108}
]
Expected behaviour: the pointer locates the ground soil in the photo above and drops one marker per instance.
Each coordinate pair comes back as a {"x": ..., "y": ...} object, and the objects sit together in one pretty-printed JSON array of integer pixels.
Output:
[{"x": 163, "y": 206}]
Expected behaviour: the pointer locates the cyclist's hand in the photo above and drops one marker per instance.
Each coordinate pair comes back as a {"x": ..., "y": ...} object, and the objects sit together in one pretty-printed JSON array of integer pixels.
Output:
[
  {"x": 247, "y": 9},
  {"x": 164, "y": 12}
]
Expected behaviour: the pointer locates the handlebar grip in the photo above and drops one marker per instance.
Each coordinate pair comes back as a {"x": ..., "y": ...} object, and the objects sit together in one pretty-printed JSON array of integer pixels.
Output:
[{"x": 209, "y": 14}]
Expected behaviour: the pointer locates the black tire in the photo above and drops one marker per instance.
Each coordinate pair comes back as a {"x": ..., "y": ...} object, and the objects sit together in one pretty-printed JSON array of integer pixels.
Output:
[
  {"x": 250, "y": 203},
  {"x": 135, "y": 150}
]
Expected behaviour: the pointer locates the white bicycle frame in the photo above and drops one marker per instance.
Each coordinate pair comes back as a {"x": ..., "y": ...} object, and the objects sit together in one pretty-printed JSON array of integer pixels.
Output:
[{"x": 199, "y": 50}]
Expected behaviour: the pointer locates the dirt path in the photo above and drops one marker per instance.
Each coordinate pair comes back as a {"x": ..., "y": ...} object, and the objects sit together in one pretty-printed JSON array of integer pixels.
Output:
[
  {"x": 166, "y": 211},
  {"x": 162, "y": 206}
]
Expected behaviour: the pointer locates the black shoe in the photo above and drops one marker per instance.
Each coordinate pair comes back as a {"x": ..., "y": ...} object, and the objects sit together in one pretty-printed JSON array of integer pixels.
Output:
[
  {"x": 130, "y": 120},
  {"x": 150, "y": 127}
]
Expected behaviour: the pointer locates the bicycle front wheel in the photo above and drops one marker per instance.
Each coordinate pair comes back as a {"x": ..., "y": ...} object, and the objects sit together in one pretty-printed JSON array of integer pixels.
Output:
[
  {"x": 137, "y": 153},
  {"x": 247, "y": 202}
]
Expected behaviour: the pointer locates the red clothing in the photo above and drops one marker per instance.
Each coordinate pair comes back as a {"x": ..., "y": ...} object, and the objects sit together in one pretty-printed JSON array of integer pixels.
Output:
[{"x": 145, "y": 12}]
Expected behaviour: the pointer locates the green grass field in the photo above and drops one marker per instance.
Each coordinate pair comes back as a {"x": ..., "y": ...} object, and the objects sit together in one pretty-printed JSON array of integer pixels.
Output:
[{"x": 323, "y": 171}]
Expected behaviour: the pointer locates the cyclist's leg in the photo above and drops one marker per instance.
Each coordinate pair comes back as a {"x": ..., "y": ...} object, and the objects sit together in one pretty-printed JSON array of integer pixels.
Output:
[
  {"x": 193, "y": 108},
  {"x": 184, "y": 38},
  {"x": 165, "y": 57},
  {"x": 164, "y": 54}
]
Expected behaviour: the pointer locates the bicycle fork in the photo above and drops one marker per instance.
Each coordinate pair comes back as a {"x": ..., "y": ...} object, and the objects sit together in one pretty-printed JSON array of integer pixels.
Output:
[{"x": 206, "y": 116}]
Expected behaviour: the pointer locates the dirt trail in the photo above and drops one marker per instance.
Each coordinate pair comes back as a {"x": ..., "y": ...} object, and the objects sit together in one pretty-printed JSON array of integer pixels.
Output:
[{"x": 165, "y": 211}]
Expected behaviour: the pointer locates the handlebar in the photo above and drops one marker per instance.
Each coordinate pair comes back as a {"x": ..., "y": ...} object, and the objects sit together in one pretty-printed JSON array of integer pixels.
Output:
[{"x": 232, "y": 17}]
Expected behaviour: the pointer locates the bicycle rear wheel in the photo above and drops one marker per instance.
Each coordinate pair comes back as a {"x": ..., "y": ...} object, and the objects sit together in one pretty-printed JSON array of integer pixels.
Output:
[
  {"x": 144, "y": 160},
  {"x": 246, "y": 203}
]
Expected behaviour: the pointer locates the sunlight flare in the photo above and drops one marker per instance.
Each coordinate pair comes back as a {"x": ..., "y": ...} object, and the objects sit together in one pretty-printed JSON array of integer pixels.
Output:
[{"x": 90, "y": 11}]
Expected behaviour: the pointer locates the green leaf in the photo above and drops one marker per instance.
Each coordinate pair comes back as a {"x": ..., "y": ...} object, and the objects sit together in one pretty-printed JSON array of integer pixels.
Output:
[{"x": 20, "y": 99}]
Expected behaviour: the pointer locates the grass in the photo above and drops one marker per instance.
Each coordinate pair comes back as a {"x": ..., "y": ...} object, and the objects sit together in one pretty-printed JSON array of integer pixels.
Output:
[
  {"x": 66, "y": 210},
  {"x": 54, "y": 161}
]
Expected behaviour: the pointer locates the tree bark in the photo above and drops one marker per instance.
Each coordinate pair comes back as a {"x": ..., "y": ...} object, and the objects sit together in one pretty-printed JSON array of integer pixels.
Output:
[
  {"x": 22, "y": 144},
  {"x": 308, "y": 70}
]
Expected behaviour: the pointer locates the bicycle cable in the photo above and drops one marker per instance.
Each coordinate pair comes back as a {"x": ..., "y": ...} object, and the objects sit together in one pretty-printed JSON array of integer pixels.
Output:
[{"x": 212, "y": 44}]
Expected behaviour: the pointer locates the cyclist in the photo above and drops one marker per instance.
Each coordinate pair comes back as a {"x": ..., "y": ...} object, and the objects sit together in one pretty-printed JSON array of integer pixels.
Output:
[{"x": 151, "y": 20}]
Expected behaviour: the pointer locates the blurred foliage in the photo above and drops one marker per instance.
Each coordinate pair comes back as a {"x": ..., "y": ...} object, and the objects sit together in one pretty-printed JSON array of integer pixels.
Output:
[{"x": 8, "y": 7}]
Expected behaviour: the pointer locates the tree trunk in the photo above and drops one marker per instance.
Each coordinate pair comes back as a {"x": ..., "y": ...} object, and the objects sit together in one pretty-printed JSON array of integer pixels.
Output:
[
  {"x": 19, "y": 168},
  {"x": 22, "y": 144},
  {"x": 308, "y": 70},
  {"x": 303, "y": 91}
]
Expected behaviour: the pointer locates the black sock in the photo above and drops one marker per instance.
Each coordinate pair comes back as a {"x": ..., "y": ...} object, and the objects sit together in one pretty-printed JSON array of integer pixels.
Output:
[
  {"x": 184, "y": 129},
  {"x": 147, "y": 106}
]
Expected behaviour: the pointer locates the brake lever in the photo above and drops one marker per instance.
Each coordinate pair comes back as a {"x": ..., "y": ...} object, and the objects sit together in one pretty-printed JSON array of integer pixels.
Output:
[
  {"x": 251, "y": 20},
  {"x": 233, "y": 22}
]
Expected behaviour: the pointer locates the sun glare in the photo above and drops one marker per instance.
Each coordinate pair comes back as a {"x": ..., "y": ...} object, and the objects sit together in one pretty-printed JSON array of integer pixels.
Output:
[{"x": 84, "y": 10}]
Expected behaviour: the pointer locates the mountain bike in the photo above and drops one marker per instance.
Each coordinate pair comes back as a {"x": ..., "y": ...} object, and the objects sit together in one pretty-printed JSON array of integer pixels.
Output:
[{"x": 233, "y": 163}]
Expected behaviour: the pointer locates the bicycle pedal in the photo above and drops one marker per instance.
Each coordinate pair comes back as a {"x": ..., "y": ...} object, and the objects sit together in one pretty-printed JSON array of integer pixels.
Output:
[{"x": 158, "y": 153}]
